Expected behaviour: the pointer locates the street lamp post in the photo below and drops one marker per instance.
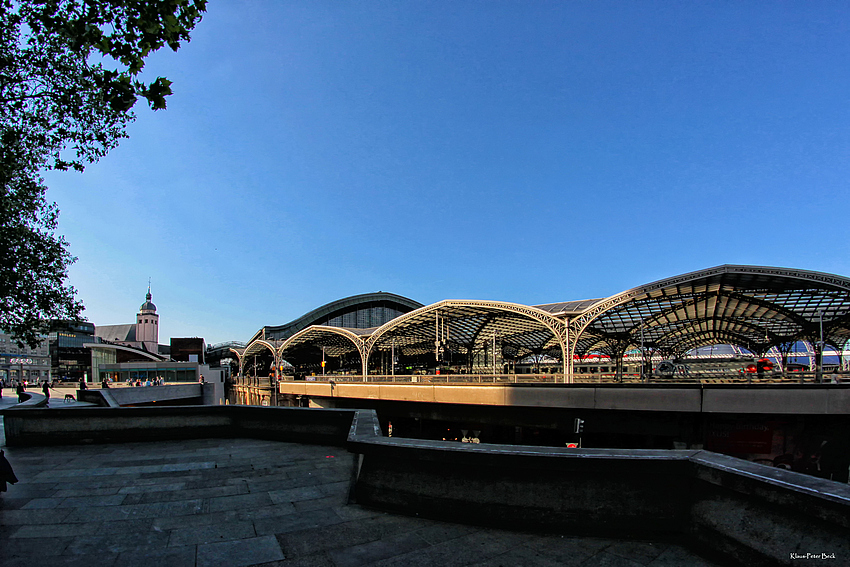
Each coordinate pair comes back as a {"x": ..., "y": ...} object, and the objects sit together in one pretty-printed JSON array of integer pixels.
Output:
[{"x": 494, "y": 357}]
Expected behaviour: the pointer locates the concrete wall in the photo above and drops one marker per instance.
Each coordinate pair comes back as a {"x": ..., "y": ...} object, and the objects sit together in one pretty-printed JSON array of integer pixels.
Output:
[
  {"x": 743, "y": 513},
  {"x": 737, "y": 511},
  {"x": 602, "y": 493},
  {"x": 761, "y": 515},
  {"x": 109, "y": 425},
  {"x": 800, "y": 399},
  {"x": 191, "y": 393}
]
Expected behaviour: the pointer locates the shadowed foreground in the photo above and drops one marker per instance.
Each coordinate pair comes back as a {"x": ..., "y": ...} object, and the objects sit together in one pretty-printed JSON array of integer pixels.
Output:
[{"x": 249, "y": 502}]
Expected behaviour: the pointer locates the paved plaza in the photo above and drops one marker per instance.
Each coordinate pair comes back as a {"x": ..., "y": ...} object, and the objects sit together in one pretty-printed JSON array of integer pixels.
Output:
[
  {"x": 235, "y": 502},
  {"x": 57, "y": 396}
]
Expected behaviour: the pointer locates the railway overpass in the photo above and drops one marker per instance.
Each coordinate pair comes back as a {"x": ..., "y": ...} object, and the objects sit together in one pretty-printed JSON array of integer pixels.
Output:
[
  {"x": 786, "y": 424},
  {"x": 712, "y": 397}
]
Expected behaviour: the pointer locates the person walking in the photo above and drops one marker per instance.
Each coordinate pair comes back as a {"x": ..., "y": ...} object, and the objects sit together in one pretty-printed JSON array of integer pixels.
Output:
[
  {"x": 20, "y": 390},
  {"x": 6, "y": 472},
  {"x": 45, "y": 388}
]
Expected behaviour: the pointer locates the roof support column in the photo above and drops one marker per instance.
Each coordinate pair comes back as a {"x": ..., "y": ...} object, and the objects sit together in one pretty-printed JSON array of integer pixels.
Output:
[
  {"x": 567, "y": 355},
  {"x": 277, "y": 359},
  {"x": 784, "y": 349},
  {"x": 571, "y": 352},
  {"x": 815, "y": 352},
  {"x": 616, "y": 349},
  {"x": 239, "y": 358},
  {"x": 618, "y": 365},
  {"x": 818, "y": 361},
  {"x": 364, "y": 360}
]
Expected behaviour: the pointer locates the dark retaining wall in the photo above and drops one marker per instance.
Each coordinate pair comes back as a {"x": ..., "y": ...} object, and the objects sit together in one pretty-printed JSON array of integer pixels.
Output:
[
  {"x": 740, "y": 512},
  {"x": 116, "y": 425}
]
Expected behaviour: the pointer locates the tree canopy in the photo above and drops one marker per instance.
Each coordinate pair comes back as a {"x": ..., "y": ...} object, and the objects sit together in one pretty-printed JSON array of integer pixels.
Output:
[{"x": 69, "y": 79}]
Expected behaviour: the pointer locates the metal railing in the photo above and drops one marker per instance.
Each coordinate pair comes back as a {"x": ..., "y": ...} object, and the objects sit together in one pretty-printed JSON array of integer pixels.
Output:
[{"x": 598, "y": 378}]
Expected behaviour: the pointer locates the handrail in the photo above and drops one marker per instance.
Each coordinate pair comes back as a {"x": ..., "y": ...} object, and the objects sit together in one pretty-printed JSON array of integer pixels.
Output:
[{"x": 607, "y": 378}]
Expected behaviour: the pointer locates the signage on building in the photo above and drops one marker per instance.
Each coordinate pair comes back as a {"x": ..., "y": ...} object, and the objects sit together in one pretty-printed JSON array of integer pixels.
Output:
[{"x": 739, "y": 437}]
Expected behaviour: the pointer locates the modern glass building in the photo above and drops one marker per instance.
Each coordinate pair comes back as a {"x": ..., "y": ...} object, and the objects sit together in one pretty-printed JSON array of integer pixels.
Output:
[
  {"x": 150, "y": 370},
  {"x": 70, "y": 360}
]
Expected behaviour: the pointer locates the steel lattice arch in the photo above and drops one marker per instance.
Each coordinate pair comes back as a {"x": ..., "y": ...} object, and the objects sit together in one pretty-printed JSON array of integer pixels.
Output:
[{"x": 754, "y": 307}]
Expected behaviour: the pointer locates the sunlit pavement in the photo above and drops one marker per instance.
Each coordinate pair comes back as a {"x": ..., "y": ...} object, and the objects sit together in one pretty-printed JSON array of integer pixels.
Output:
[{"x": 57, "y": 396}]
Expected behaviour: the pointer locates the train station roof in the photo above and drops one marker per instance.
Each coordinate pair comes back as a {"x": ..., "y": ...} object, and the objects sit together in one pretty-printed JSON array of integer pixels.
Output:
[
  {"x": 754, "y": 307},
  {"x": 324, "y": 315},
  {"x": 466, "y": 325},
  {"x": 751, "y": 306}
]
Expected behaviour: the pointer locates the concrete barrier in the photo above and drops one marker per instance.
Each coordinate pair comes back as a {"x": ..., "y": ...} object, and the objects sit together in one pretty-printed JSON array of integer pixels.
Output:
[
  {"x": 739, "y": 512},
  {"x": 32, "y": 400},
  {"x": 182, "y": 394},
  {"x": 761, "y": 515},
  {"x": 109, "y": 425}
]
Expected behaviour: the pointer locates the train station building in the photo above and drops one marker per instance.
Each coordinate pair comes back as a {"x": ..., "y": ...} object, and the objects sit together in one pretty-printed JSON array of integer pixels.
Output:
[{"x": 764, "y": 311}]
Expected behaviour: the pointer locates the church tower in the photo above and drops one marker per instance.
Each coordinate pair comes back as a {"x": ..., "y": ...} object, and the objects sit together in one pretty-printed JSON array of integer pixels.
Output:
[{"x": 147, "y": 324}]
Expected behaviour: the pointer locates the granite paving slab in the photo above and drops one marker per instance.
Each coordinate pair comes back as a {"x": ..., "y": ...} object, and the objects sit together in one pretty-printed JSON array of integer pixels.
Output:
[
  {"x": 246, "y": 502},
  {"x": 239, "y": 553}
]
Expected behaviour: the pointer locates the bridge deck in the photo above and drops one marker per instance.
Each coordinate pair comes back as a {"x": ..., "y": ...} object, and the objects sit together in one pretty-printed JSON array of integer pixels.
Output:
[{"x": 697, "y": 397}]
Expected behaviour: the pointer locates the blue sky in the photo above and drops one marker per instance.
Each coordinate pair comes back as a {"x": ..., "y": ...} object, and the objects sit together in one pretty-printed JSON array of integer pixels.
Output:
[{"x": 521, "y": 151}]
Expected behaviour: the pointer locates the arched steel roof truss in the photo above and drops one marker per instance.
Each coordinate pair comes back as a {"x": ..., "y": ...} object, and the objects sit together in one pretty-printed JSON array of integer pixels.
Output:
[
  {"x": 258, "y": 346},
  {"x": 469, "y": 324},
  {"x": 336, "y": 341},
  {"x": 750, "y": 304}
]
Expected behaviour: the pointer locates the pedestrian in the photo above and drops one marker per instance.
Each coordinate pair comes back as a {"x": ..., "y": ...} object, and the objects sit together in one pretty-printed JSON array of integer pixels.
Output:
[
  {"x": 20, "y": 390},
  {"x": 1, "y": 388},
  {"x": 46, "y": 389},
  {"x": 83, "y": 384},
  {"x": 6, "y": 472}
]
